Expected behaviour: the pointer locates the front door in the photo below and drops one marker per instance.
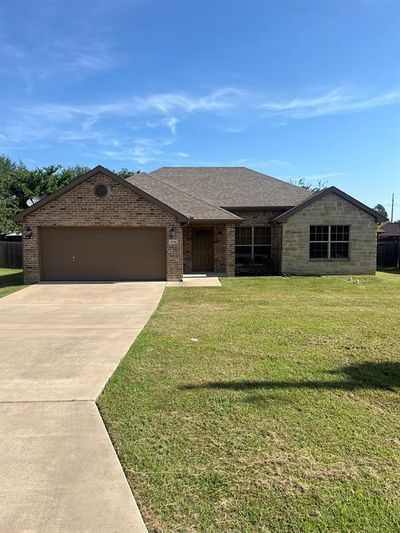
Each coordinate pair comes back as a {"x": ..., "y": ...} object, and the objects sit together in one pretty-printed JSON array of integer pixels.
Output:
[{"x": 202, "y": 250}]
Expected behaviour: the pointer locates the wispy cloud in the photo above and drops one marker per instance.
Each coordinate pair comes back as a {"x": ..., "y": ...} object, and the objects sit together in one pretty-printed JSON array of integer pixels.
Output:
[
  {"x": 61, "y": 61},
  {"x": 323, "y": 176},
  {"x": 260, "y": 163},
  {"x": 120, "y": 128},
  {"x": 233, "y": 129},
  {"x": 333, "y": 102},
  {"x": 76, "y": 56},
  {"x": 162, "y": 103},
  {"x": 142, "y": 151}
]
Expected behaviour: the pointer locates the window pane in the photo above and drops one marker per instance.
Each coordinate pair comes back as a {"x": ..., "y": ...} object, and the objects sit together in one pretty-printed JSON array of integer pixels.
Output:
[
  {"x": 262, "y": 235},
  {"x": 339, "y": 250},
  {"x": 243, "y": 235},
  {"x": 318, "y": 250},
  {"x": 319, "y": 233},
  {"x": 243, "y": 255},
  {"x": 262, "y": 254},
  {"x": 340, "y": 233}
]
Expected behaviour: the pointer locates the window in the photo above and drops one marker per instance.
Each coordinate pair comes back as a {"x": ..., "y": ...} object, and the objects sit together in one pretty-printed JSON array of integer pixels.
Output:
[
  {"x": 253, "y": 245},
  {"x": 329, "y": 242}
]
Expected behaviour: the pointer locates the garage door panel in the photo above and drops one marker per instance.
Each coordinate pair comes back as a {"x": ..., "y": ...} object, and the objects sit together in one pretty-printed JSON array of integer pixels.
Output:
[{"x": 101, "y": 254}]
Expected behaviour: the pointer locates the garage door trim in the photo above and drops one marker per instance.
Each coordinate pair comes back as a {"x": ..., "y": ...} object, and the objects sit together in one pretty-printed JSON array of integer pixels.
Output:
[{"x": 131, "y": 267}]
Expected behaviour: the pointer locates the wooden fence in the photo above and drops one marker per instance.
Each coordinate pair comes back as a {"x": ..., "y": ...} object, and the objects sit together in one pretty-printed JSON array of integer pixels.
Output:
[
  {"x": 388, "y": 254},
  {"x": 10, "y": 254}
]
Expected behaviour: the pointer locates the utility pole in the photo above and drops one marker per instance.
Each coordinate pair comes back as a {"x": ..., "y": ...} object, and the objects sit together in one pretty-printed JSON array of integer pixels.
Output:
[{"x": 391, "y": 218}]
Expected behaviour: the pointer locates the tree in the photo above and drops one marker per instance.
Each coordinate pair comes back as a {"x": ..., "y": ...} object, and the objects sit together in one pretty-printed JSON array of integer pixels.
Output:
[
  {"x": 8, "y": 203},
  {"x": 381, "y": 210},
  {"x": 303, "y": 184}
]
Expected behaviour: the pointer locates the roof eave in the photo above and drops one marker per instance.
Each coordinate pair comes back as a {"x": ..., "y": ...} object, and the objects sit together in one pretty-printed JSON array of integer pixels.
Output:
[
  {"x": 257, "y": 207},
  {"x": 236, "y": 220}
]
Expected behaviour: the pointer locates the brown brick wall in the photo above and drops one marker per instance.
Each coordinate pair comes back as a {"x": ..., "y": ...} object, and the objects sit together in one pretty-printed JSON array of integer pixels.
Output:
[
  {"x": 329, "y": 210},
  {"x": 80, "y": 207}
]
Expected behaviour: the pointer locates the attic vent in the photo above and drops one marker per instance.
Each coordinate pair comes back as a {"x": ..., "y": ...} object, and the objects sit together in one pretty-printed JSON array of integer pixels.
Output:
[{"x": 100, "y": 191}]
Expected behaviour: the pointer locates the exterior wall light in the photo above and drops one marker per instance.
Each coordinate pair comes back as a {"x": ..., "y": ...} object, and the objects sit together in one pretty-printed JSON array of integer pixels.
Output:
[
  {"x": 172, "y": 233},
  {"x": 28, "y": 233},
  {"x": 219, "y": 235}
]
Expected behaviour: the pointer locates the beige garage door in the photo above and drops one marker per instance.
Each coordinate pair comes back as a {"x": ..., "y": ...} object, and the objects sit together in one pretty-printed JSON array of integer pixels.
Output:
[{"x": 102, "y": 254}]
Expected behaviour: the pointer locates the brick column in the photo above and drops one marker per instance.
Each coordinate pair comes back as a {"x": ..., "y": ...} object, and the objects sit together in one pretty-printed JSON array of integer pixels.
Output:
[
  {"x": 30, "y": 254},
  {"x": 230, "y": 249},
  {"x": 175, "y": 255}
]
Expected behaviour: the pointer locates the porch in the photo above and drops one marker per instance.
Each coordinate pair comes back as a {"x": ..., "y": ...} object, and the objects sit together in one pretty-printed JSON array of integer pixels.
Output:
[
  {"x": 229, "y": 250},
  {"x": 209, "y": 249}
]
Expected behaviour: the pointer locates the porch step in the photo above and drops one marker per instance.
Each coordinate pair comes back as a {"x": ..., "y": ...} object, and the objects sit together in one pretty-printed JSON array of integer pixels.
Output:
[{"x": 194, "y": 276}]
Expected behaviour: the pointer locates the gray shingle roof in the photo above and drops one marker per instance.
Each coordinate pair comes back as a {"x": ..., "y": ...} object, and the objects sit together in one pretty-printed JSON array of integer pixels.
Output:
[
  {"x": 232, "y": 186},
  {"x": 181, "y": 201},
  {"x": 390, "y": 228}
]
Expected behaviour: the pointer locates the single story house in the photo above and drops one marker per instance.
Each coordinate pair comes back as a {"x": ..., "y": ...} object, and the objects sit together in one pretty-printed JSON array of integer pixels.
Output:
[
  {"x": 163, "y": 224},
  {"x": 389, "y": 231}
]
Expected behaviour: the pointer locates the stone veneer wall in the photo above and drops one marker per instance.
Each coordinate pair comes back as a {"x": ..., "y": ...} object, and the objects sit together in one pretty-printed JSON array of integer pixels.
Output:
[
  {"x": 80, "y": 207},
  {"x": 329, "y": 210},
  {"x": 263, "y": 217}
]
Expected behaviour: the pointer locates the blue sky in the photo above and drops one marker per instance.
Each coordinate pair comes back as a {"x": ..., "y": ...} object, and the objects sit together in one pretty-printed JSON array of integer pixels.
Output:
[{"x": 295, "y": 89}]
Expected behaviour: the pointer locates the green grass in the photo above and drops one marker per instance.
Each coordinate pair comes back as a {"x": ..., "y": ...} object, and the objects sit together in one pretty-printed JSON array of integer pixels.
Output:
[
  {"x": 11, "y": 280},
  {"x": 283, "y": 417}
]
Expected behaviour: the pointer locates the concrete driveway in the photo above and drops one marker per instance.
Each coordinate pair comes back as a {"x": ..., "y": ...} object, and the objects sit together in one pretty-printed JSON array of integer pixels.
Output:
[{"x": 59, "y": 344}]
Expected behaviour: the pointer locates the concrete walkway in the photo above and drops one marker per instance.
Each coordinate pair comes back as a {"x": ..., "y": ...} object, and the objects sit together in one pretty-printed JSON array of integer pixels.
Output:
[{"x": 59, "y": 344}]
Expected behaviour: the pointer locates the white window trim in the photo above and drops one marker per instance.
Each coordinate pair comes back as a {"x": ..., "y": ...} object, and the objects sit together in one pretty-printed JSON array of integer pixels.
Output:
[
  {"x": 329, "y": 242},
  {"x": 252, "y": 245}
]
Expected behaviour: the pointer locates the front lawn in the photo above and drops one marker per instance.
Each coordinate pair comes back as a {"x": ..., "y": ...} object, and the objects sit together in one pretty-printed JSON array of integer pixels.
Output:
[
  {"x": 11, "y": 280},
  {"x": 283, "y": 415}
]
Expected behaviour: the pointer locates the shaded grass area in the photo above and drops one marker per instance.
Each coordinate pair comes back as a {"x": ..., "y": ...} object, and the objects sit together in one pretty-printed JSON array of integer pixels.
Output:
[
  {"x": 11, "y": 280},
  {"x": 283, "y": 415},
  {"x": 390, "y": 270}
]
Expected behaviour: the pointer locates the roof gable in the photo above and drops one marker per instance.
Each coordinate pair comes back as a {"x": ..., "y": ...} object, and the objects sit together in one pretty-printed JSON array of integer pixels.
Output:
[
  {"x": 96, "y": 170},
  {"x": 320, "y": 194}
]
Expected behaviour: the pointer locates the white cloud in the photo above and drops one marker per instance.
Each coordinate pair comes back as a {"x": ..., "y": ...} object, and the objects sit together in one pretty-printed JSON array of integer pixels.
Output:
[
  {"x": 160, "y": 104},
  {"x": 224, "y": 98},
  {"x": 234, "y": 129},
  {"x": 112, "y": 127},
  {"x": 323, "y": 176},
  {"x": 333, "y": 102},
  {"x": 141, "y": 151},
  {"x": 172, "y": 123},
  {"x": 57, "y": 62},
  {"x": 260, "y": 163}
]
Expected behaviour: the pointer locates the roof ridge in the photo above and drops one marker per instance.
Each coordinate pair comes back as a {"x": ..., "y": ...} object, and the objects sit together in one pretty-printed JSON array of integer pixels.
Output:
[
  {"x": 297, "y": 187},
  {"x": 188, "y": 193}
]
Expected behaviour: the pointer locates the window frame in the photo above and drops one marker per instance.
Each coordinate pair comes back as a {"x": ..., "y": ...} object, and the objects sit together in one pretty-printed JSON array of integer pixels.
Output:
[
  {"x": 253, "y": 245},
  {"x": 329, "y": 243}
]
